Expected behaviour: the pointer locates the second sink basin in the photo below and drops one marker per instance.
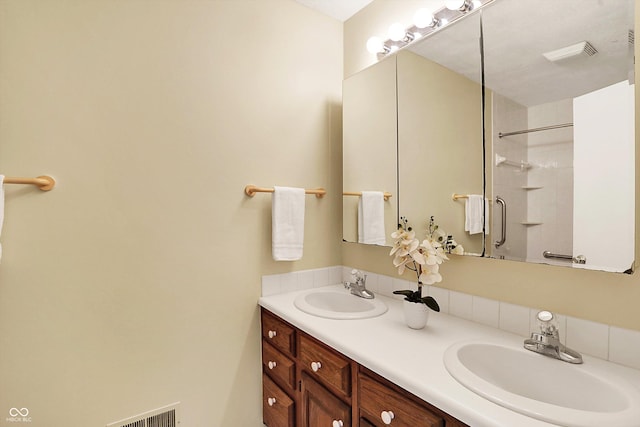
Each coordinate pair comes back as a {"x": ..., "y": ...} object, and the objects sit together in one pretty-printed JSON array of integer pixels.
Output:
[
  {"x": 544, "y": 388},
  {"x": 337, "y": 304}
]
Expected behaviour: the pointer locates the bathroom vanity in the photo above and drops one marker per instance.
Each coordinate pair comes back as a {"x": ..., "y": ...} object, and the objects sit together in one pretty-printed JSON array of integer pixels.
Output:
[
  {"x": 377, "y": 372},
  {"x": 307, "y": 383}
]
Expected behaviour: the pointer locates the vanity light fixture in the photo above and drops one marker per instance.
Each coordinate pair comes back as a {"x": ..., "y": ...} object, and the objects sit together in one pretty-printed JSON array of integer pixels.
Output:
[
  {"x": 424, "y": 18},
  {"x": 425, "y": 23}
]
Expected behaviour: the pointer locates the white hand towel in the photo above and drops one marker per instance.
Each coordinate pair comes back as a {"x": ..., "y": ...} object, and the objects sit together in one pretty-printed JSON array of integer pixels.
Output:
[
  {"x": 287, "y": 215},
  {"x": 476, "y": 207},
  {"x": 1, "y": 208},
  {"x": 371, "y": 218}
]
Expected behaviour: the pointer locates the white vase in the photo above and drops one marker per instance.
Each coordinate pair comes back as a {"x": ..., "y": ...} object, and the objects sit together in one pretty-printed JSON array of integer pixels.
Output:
[{"x": 416, "y": 314}]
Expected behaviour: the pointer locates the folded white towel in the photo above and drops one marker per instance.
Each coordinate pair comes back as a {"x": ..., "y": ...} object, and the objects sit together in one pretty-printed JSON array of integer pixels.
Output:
[
  {"x": 371, "y": 218},
  {"x": 287, "y": 215},
  {"x": 476, "y": 207},
  {"x": 1, "y": 208}
]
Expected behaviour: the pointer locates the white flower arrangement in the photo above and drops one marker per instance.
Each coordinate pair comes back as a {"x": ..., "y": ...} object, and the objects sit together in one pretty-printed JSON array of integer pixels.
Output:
[{"x": 422, "y": 257}]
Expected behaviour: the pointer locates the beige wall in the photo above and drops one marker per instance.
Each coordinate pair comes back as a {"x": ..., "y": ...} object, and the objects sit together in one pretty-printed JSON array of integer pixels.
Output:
[
  {"x": 133, "y": 284},
  {"x": 603, "y": 297}
]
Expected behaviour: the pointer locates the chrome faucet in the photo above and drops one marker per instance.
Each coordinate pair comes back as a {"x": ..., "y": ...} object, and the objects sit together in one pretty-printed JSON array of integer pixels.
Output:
[
  {"x": 547, "y": 341},
  {"x": 358, "y": 288}
]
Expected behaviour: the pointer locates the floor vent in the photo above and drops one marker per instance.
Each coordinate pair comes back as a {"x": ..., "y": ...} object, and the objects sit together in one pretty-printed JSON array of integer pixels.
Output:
[{"x": 167, "y": 416}]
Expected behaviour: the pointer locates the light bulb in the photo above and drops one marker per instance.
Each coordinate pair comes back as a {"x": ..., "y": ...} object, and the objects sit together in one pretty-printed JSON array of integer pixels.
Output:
[
  {"x": 476, "y": 4},
  {"x": 423, "y": 18},
  {"x": 397, "y": 32},
  {"x": 375, "y": 45},
  {"x": 454, "y": 4}
]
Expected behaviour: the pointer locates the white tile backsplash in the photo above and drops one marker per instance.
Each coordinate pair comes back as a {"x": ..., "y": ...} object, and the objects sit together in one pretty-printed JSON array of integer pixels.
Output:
[
  {"x": 461, "y": 305},
  {"x": 588, "y": 337},
  {"x": 624, "y": 347},
  {"x": 515, "y": 319},
  {"x": 486, "y": 311},
  {"x": 595, "y": 339}
]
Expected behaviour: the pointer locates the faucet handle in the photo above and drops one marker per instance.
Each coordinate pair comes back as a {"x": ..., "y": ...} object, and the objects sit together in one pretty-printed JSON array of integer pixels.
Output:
[
  {"x": 547, "y": 323},
  {"x": 357, "y": 275}
]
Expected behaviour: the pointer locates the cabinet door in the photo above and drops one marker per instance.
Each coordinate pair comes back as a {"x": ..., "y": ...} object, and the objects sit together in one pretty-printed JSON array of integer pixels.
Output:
[
  {"x": 278, "y": 410},
  {"x": 382, "y": 406},
  {"x": 320, "y": 408}
]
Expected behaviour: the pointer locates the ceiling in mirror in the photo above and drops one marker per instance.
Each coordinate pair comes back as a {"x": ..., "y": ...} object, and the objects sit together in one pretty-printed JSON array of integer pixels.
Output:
[{"x": 541, "y": 26}]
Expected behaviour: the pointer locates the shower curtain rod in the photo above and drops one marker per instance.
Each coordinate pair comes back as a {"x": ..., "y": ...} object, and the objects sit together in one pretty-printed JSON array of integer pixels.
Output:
[{"x": 518, "y": 132}]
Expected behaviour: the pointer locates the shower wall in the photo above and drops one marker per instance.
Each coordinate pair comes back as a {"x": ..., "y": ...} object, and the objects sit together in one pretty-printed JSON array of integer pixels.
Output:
[
  {"x": 508, "y": 181},
  {"x": 551, "y": 205},
  {"x": 539, "y": 199}
]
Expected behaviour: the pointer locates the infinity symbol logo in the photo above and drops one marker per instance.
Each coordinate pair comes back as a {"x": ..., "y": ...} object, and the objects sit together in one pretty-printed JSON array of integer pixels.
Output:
[{"x": 14, "y": 412}]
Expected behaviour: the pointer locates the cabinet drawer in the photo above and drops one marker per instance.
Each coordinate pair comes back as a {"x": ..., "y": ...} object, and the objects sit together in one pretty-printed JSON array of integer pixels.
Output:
[
  {"x": 376, "y": 399},
  {"x": 279, "y": 334},
  {"x": 278, "y": 366},
  {"x": 278, "y": 410},
  {"x": 330, "y": 367}
]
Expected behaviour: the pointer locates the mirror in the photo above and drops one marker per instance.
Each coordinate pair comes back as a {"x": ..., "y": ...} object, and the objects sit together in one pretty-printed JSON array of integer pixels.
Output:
[
  {"x": 568, "y": 188},
  {"x": 413, "y": 128},
  {"x": 370, "y": 150},
  {"x": 562, "y": 131}
]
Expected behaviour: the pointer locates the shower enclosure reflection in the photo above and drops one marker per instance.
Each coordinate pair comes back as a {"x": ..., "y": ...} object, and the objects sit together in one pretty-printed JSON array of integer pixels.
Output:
[{"x": 563, "y": 131}]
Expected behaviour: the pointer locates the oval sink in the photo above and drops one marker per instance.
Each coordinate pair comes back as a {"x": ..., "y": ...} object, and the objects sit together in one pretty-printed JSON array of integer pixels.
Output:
[
  {"x": 543, "y": 387},
  {"x": 338, "y": 305}
]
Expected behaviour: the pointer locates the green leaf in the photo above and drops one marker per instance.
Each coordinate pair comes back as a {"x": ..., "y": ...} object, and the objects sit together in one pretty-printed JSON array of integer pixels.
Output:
[{"x": 431, "y": 303}]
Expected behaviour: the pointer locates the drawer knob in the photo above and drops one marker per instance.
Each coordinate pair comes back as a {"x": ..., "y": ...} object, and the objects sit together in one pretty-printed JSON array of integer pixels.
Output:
[
  {"x": 387, "y": 417},
  {"x": 271, "y": 401},
  {"x": 337, "y": 423},
  {"x": 315, "y": 366},
  {"x": 272, "y": 364},
  {"x": 272, "y": 334}
]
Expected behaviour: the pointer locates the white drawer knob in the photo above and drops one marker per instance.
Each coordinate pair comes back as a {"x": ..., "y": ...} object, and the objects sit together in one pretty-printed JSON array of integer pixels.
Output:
[
  {"x": 387, "y": 417},
  {"x": 271, "y": 401},
  {"x": 315, "y": 366},
  {"x": 272, "y": 334},
  {"x": 337, "y": 423},
  {"x": 272, "y": 364}
]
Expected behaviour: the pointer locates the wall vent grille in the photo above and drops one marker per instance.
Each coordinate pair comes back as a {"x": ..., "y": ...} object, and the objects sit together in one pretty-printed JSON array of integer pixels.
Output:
[{"x": 167, "y": 416}]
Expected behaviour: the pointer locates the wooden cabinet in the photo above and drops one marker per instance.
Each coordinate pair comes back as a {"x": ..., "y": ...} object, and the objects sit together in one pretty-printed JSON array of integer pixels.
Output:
[
  {"x": 325, "y": 364},
  {"x": 278, "y": 366},
  {"x": 308, "y": 384},
  {"x": 278, "y": 333},
  {"x": 320, "y": 407},
  {"x": 278, "y": 409},
  {"x": 383, "y": 406}
]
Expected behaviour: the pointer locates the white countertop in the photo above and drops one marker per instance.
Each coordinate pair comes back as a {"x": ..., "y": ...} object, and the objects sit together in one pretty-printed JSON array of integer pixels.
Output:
[{"x": 413, "y": 359}]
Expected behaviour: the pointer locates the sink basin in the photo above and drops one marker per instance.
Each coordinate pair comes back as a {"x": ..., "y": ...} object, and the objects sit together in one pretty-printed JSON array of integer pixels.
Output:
[
  {"x": 336, "y": 304},
  {"x": 545, "y": 388}
]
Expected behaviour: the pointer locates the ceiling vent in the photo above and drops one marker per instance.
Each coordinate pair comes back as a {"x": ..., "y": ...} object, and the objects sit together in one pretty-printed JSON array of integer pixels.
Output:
[
  {"x": 582, "y": 49},
  {"x": 162, "y": 417}
]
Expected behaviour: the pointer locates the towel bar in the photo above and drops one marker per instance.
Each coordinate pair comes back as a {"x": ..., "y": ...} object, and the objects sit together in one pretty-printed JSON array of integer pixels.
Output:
[
  {"x": 251, "y": 190},
  {"x": 43, "y": 182},
  {"x": 386, "y": 195}
]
